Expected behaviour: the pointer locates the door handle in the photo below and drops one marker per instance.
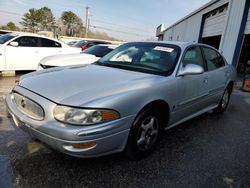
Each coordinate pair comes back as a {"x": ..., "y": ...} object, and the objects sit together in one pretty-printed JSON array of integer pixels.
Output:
[{"x": 205, "y": 80}]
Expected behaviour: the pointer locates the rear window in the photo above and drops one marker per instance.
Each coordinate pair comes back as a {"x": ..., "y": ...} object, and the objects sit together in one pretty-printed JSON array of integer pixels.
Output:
[
  {"x": 98, "y": 51},
  {"x": 80, "y": 43}
]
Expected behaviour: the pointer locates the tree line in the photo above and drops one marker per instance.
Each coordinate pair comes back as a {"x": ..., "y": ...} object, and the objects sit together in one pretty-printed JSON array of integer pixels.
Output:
[{"x": 69, "y": 24}]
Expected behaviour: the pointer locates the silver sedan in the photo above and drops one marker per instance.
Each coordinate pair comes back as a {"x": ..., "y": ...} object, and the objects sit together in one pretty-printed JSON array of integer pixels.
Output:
[{"x": 123, "y": 102}]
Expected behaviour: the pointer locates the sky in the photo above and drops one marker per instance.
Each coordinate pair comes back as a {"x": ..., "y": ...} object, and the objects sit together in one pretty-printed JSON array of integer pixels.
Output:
[{"x": 128, "y": 20}]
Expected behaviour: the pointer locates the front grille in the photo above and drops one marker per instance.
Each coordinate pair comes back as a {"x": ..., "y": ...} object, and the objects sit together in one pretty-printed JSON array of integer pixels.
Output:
[{"x": 29, "y": 107}]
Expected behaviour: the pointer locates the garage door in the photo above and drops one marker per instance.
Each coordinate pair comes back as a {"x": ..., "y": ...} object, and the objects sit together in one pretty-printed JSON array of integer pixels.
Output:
[
  {"x": 215, "y": 23},
  {"x": 247, "y": 30}
]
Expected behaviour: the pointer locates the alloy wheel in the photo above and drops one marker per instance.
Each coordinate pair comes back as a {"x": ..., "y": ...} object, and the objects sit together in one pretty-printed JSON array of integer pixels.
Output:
[{"x": 148, "y": 133}]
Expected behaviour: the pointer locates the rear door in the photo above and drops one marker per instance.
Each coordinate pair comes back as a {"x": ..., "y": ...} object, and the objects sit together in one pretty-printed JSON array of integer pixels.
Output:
[
  {"x": 217, "y": 74},
  {"x": 49, "y": 47}
]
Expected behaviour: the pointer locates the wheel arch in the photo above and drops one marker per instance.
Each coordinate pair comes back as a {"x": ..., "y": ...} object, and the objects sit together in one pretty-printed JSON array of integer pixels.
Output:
[
  {"x": 161, "y": 105},
  {"x": 230, "y": 85}
]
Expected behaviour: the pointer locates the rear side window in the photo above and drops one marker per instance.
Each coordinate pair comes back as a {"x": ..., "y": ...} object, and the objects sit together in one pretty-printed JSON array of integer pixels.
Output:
[
  {"x": 27, "y": 41},
  {"x": 49, "y": 43},
  {"x": 213, "y": 58},
  {"x": 193, "y": 56}
]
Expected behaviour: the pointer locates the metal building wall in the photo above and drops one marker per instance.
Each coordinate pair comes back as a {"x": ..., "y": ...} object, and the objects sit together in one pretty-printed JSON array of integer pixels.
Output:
[
  {"x": 247, "y": 29},
  {"x": 232, "y": 28},
  {"x": 168, "y": 34},
  {"x": 188, "y": 29}
]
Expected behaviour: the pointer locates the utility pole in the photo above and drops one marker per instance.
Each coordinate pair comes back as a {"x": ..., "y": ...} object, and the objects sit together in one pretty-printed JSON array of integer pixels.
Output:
[{"x": 86, "y": 22}]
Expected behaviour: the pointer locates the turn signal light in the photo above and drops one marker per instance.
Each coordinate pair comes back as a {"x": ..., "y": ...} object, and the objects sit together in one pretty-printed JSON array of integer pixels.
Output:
[{"x": 84, "y": 145}]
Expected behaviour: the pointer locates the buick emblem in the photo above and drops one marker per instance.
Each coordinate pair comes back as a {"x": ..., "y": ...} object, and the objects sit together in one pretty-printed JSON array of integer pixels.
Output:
[{"x": 23, "y": 103}]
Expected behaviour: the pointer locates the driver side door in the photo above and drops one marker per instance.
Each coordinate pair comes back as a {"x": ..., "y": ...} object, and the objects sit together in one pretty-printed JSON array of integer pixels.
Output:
[
  {"x": 24, "y": 56},
  {"x": 191, "y": 89}
]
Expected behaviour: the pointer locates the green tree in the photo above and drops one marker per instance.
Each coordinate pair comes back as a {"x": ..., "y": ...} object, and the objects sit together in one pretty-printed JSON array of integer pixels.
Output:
[
  {"x": 30, "y": 20},
  {"x": 46, "y": 19},
  {"x": 38, "y": 19},
  {"x": 72, "y": 22},
  {"x": 11, "y": 26}
]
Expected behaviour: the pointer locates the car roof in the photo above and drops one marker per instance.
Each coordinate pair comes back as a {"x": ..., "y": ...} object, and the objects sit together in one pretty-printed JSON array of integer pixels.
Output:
[
  {"x": 32, "y": 35},
  {"x": 177, "y": 43},
  {"x": 182, "y": 45},
  {"x": 107, "y": 45}
]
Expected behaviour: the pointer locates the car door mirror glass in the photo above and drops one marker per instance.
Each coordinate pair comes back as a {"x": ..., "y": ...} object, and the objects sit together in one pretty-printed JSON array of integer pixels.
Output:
[
  {"x": 190, "y": 69},
  {"x": 14, "y": 43}
]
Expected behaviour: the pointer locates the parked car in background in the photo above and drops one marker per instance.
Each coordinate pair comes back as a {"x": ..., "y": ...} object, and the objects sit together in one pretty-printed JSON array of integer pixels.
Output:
[
  {"x": 23, "y": 51},
  {"x": 125, "y": 100},
  {"x": 71, "y": 43},
  {"x": 84, "y": 44},
  {"x": 88, "y": 56}
]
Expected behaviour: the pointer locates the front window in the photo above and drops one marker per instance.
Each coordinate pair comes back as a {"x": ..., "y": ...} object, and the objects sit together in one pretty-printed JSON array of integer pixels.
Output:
[
  {"x": 193, "y": 56},
  {"x": 27, "y": 41},
  {"x": 148, "y": 57},
  {"x": 6, "y": 37}
]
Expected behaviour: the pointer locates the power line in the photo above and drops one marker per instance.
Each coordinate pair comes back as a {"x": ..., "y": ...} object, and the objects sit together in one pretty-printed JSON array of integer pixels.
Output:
[
  {"x": 124, "y": 32},
  {"x": 93, "y": 26},
  {"x": 109, "y": 23},
  {"x": 96, "y": 20},
  {"x": 8, "y": 12}
]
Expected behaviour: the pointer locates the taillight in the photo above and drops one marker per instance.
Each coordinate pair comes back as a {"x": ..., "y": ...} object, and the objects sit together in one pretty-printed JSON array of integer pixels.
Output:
[{"x": 84, "y": 47}]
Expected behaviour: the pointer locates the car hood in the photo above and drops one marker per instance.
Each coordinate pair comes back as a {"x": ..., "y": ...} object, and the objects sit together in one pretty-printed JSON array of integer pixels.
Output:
[
  {"x": 68, "y": 59},
  {"x": 79, "y": 85}
]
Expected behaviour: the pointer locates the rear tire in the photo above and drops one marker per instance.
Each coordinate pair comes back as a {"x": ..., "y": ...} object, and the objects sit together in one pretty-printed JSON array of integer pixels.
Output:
[
  {"x": 144, "y": 135},
  {"x": 224, "y": 101}
]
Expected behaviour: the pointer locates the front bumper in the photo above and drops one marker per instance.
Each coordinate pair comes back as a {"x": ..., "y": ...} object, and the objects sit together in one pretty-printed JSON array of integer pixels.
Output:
[{"x": 109, "y": 137}]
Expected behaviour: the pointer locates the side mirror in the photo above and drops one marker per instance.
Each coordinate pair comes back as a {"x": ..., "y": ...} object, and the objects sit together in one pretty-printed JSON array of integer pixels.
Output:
[
  {"x": 190, "y": 69},
  {"x": 15, "y": 44}
]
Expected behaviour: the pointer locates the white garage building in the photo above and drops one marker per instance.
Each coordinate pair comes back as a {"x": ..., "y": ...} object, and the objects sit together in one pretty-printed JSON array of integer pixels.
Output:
[{"x": 224, "y": 24}]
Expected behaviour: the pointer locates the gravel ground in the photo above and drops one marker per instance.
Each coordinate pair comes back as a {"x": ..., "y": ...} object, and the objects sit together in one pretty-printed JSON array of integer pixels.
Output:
[{"x": 208, "y": 151}]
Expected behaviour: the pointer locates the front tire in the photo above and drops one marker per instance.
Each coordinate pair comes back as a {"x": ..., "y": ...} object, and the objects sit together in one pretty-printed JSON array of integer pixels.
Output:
[{"x": 144, "y": 135}]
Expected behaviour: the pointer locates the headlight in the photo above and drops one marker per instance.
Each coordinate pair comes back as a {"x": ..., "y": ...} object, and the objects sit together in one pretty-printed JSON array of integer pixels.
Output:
[{"x": 80, "y": 116}]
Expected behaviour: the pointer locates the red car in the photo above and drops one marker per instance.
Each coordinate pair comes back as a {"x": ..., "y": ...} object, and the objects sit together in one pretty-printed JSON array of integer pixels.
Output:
[{"x": 84, "y": 44}]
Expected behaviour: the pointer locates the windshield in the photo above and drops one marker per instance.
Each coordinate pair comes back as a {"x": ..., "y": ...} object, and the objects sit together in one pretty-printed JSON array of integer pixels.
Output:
[
  {"x": 154, "y": 58},
  {"x": 80, "y": 43},
  {"x": 99, "y": 51},
  {"x": 6, "y": 37}
]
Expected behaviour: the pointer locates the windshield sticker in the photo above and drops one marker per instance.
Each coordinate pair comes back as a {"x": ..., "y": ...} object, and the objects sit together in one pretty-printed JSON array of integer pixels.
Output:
[{"x": 165, "y": 49}]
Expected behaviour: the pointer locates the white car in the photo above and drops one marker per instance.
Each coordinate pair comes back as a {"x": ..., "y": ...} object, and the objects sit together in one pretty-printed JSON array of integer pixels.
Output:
[
  {"x": 23, "y": 51},
  {"x": 88, "y": 56}
]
